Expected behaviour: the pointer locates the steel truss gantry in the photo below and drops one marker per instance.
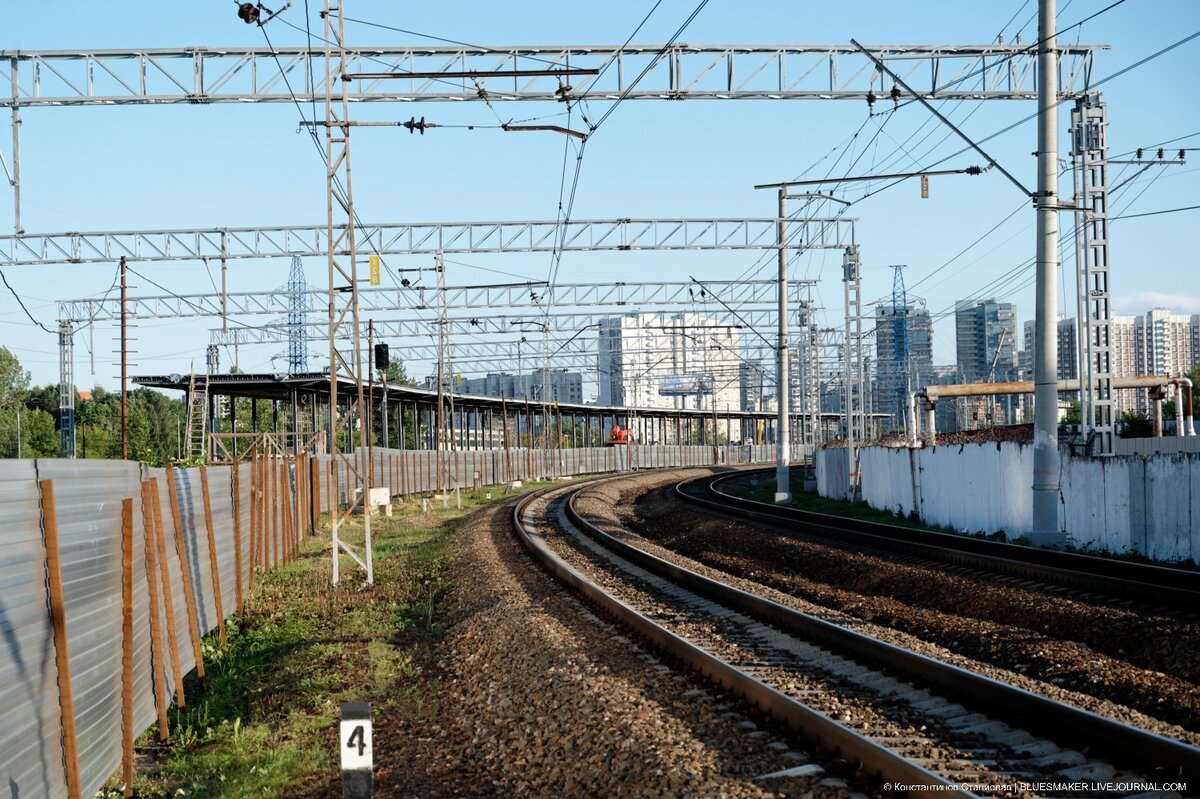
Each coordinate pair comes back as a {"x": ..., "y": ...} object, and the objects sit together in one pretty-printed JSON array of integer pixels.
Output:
[
  {"x": 480, "y": 299},
  {"x": 555, "y": 322},
  {"x": 198, "y": 75},
  {"x": 577, "y": 235}
]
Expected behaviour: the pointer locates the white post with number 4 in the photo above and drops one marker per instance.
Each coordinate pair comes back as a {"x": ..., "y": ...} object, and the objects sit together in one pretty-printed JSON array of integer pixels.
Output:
[{"x": 358, "y": 777}]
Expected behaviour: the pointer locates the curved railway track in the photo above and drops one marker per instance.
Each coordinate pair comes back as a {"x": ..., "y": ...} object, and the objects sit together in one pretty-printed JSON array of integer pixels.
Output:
[
  {"x": 904, "y": 718},
  {"x": 1158, "y": 588}
]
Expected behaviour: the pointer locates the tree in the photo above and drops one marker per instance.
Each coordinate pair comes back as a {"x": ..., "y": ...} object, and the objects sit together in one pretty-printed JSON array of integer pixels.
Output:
[
  {"x": 1135, "y": 425},
  {"x": 14, "y": 381},
  {"x": 1073, "y": 414},
  {"x": 397, "y": 375}
]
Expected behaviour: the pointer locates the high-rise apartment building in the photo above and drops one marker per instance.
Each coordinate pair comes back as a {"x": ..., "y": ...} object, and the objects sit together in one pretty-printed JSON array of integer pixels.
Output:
[
  {"x": 1068, "y": 353},
  {"x": 903, "y": 357},
  {"x": 1155, "y": 343},
  {"x": 669, "y": 361},
  {"x": 985, "y": 339}
]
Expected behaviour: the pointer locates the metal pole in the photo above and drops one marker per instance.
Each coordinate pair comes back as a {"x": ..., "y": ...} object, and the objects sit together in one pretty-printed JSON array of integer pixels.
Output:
[
  {"x": 369, "y": 428},
  {"x": 16, "y": 149},
  {"x": 124, "y": 364},
  {"x": 783, "y": 452},
  {"x": 1045, "y": 403},
  {"x": 224, "y": 282},
  {"x": 386, "y": 437}
]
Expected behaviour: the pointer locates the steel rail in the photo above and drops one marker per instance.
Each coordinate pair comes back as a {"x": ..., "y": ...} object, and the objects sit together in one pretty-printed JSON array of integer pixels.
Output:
[
  {"x": 1175, "y": 589},
  {"x": 825, "y": 732},
  {"x": 1121, "y": 743}
]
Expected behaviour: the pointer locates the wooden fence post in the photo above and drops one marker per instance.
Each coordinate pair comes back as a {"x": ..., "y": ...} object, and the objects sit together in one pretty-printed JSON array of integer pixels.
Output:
[
  {"x": 157, "y": 664},
  {"x": 188, "y": 595},
  {"x": 58, "y": 621},
  {"x": 212, "y": 554}
]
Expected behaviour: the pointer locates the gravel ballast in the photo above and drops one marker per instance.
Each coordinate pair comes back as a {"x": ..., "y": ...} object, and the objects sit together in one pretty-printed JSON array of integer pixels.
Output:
[
  {"x": 535, "y": 696},
  {"x": 1090, "y": 654}
]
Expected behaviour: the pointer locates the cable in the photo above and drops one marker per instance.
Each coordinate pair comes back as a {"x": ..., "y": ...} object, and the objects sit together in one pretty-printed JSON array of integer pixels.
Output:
[
  {"x": 20, "y": 302},
  {"x": 430, "y": 36},
  {"x": 1034, "y": 115},
  {"x": 653, "y": 62},
  {"x": 1156, "y": 213}
]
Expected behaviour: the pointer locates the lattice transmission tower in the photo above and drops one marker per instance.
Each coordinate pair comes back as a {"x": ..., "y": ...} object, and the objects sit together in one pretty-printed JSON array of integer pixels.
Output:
[{"x": 297, "y": 319}]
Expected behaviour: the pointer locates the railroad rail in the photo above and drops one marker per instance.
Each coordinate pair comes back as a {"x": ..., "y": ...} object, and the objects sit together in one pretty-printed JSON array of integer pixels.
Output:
[
  {"x": 1175, "y": 590},
  {"x": 808, "y": 673}
]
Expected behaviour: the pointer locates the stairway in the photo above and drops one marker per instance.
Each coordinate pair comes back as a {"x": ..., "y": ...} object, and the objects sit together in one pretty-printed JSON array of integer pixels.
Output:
[{"x": 197, "y": 418}]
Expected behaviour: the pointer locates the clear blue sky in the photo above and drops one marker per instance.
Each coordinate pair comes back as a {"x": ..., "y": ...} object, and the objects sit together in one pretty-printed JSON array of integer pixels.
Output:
[{"x": 198, "y": 166}]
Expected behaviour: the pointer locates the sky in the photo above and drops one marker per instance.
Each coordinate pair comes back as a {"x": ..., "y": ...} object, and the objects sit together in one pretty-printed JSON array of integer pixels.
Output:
[{"x": 152, "y": 167}]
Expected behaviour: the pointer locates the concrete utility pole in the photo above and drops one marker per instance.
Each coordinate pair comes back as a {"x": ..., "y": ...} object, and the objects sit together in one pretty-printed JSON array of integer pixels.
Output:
[
  {"x": 783, "y": 494},
  {"x": 1045, "y": 394}
]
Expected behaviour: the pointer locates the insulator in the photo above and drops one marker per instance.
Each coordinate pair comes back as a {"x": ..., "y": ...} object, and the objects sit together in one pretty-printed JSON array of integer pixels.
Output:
[
  {"x": 871, "y": 98},
  {"x": 405, "y": 282},
  {"x": 1139, "y": 153},
  {"x": 1160, "y": 153},
  {"x": 412, "y": 124},
  {"x": 248, "y": 13},
  {"x": 1180, "y": 153},
  {"x": 895, "y": 94}
]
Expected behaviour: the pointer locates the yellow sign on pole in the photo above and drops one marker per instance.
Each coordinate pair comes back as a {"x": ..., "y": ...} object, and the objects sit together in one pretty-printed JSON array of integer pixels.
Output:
[{"x": 374, "y": 270}]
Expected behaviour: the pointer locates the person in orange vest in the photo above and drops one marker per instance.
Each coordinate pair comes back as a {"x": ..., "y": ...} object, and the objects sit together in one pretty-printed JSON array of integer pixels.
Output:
[{"x": 618, "y": 436}]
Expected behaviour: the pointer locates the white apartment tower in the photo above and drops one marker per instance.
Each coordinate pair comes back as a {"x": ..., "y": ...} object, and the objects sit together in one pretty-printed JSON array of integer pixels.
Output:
[{"x": 641, "y": 356}]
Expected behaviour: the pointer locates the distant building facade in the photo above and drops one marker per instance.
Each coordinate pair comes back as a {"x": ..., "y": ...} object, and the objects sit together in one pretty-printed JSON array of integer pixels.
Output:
[
  {"x": 652, "y": 360},
  {"x": 986, "y": 348},
  {"x": 895, "y": 375},
  {"x": 564, "y": 386}
]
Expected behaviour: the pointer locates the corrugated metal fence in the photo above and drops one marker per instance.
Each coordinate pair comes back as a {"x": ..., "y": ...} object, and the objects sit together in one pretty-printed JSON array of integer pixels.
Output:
[{"x": 111, "y": 572}]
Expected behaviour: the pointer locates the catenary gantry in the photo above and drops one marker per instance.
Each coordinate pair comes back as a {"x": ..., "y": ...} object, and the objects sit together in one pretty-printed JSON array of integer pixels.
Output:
[
  {"x": 576, "y": 235},
  {"x": 680, "y": 71}
]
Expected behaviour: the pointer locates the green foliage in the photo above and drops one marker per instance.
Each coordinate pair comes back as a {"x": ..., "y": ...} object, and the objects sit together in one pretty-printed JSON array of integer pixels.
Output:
[
  {"x": 14, "y": 381},
  {"x": 154, "y": 420},
  {"x": 1073, "y": 415},
  {"x": 397, "y": 375},
  {"x": 1135, "y": 425}
]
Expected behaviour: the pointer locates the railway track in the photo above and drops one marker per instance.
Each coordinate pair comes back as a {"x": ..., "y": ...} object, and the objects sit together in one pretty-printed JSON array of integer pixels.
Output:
[
  {"x": 1155, "y": 588},
  {"x": 906, "y": 719}
]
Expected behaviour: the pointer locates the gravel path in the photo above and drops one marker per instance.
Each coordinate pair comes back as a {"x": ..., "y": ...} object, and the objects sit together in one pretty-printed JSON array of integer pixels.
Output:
[
  {"x": 535, "y": 696},
  {"x": 923, "y": 609}
]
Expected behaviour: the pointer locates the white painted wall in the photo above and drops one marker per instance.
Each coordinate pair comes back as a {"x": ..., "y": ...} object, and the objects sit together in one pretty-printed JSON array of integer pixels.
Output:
[{"x": 1146, "y": 504}]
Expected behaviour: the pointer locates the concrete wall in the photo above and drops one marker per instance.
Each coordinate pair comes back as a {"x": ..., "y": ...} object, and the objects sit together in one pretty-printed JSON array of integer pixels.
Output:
[{"x": 1144, "y": 504}]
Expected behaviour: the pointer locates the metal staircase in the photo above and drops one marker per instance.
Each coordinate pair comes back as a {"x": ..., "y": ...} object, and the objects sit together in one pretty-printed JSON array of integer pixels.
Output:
[{"x": 197, "y": 417}]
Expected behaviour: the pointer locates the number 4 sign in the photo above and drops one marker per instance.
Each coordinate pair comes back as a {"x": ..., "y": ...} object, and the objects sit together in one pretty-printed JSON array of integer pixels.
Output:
[{"x": 358, "y": 779}]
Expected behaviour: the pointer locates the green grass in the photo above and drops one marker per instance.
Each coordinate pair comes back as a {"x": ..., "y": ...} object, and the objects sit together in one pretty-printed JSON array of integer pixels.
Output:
[{"x": 262, "y": 724}]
